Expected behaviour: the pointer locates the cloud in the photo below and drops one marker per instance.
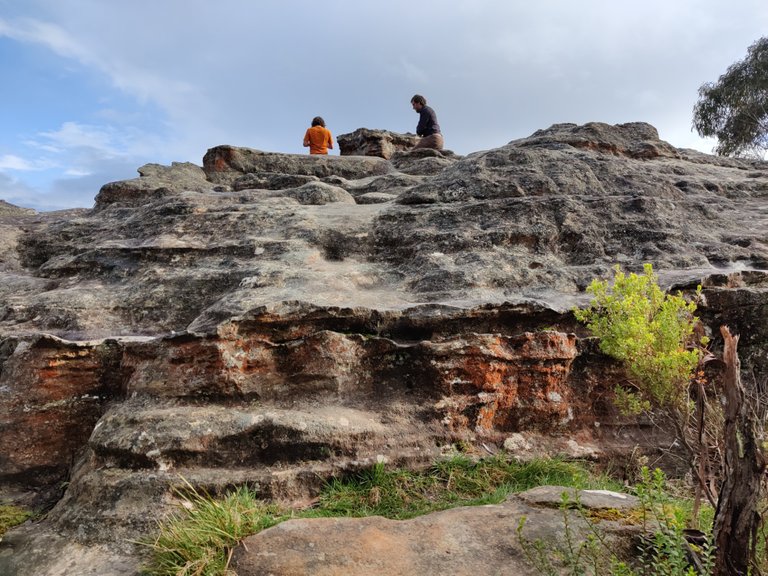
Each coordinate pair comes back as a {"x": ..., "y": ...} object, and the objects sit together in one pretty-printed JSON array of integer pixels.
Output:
[
  {"x": 82, "y": 149},
  {"x": 70, "y": 189},
  {"x": 11, "y": 162},
  {"x": 198, "y": 74},
  {"x": 16, "y": 192},
  {"x": 72, "y": 135},
  {"x": 47, "y": 34},
  {"x": 72, "y": 162}
]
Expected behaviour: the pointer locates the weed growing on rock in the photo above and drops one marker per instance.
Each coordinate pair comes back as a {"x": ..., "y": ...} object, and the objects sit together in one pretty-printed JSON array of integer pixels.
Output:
[
  {"x": 720, "y": 431},
  {"x": 587, "y": 549},
  {"x": 11, "y": 516},
  {"x": 668, "y": 552},
  {"x": 460, "y": 481},
  {"x": 654, "y": 335}
]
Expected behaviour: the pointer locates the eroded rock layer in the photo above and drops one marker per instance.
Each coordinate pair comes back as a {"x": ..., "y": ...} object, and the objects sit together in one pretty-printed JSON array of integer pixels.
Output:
[{"x": 275, "y": 320}]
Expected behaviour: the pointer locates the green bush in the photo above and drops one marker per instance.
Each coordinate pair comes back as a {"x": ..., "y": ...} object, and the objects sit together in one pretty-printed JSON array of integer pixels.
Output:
[
  {"x": 651, "y": 332},
  {"x": 199, "y": 538}
]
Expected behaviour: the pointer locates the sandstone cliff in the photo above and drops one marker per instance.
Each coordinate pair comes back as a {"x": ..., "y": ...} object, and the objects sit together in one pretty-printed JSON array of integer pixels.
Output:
[{"x": 277, "y": 319}]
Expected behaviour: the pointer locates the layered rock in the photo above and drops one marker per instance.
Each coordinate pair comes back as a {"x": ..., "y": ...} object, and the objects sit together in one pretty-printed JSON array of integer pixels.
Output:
[
  {"x": 275, "y": 320},
  {"x": 365, "y": 142}
]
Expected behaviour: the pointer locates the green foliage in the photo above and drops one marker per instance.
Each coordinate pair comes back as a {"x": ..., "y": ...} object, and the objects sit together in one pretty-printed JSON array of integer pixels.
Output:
[
  {"x": 199, "y": 537},
  {"x": 588, "y": 552},
  {"x": 650, "y": 332},
  {"x": 458, "y": 481},
  {"x": 584, "y": 550},
  {"x": 11, "y": 516},
  {"x": 735, "y": 108},
  {"x": 669, "y": 554}
]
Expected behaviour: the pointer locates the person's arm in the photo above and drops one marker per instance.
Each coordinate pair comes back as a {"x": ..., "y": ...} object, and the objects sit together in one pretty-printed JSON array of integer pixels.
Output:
[
  {"x": 330, "y": 140},
  {"x": 424, "y": 121},
  {"x": 306, "y": 139}
]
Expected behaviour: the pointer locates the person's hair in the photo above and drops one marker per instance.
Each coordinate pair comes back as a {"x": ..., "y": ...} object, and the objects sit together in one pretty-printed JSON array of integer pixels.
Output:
[
  {"x": 318, "y": 121},
  {"x": 419, "y": 99}
]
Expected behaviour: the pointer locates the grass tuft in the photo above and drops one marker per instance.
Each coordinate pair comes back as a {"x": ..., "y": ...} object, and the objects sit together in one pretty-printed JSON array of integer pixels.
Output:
[{"x": 198, "y": 539}]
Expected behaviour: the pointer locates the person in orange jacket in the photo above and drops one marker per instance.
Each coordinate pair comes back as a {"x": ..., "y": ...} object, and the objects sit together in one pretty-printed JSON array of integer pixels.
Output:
[{"x": 318, "y": 138}]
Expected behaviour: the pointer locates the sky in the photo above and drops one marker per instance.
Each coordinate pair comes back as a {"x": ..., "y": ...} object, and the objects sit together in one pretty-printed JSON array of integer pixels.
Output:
[{"x": 90, "y": 90}]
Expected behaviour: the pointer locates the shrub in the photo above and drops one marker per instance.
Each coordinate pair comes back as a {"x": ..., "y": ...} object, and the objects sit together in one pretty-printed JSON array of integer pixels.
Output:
[{"x": 651, "y": 332}]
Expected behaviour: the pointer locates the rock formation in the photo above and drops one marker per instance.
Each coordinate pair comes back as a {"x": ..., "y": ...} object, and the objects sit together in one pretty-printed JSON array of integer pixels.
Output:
[
  {"x": 275, "y": 319},
  {"x": 460, "y": 542},
  {"x": 365, "y": 142}
]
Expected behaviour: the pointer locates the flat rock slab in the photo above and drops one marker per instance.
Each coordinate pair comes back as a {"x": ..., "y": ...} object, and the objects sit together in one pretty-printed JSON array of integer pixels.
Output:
[{"x": 591, "y": 499}]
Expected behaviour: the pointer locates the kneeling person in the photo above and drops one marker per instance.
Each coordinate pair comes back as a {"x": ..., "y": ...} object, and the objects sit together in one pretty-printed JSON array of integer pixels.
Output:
[{"x": 428, "y": 128}]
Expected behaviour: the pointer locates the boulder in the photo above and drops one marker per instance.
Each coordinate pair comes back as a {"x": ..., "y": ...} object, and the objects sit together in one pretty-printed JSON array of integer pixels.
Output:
[
  {"x": 155, "y": 182},
  {"x": 382, "y": 143},
  {"x": 225, "y": 164},
  {"x": 317, "y": 194}
]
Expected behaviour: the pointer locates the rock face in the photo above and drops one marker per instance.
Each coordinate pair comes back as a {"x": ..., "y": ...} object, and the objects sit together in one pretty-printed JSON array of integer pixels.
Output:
[
  {"x": 275, "y": 320},
  {"x": 365, "y": 142}
]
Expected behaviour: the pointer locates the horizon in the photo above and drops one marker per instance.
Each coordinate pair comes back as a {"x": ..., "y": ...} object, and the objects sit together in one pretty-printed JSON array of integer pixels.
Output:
[{"x": 90, "y": 107}]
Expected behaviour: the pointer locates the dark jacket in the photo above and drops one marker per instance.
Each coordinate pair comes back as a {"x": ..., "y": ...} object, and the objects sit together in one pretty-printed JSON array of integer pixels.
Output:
[{"x": 427, "y": 122}]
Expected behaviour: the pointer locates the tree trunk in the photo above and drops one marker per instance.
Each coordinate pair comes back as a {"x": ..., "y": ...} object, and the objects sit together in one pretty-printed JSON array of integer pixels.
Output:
[{"x": 737, "y": 518}]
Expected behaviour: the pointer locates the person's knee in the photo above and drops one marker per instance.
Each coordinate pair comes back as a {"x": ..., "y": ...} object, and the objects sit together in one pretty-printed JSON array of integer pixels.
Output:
[{"x": 433, "y": 141}]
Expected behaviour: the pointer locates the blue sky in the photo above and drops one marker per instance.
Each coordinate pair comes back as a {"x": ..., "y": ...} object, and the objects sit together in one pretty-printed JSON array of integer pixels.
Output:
[{"x": 93, "y": 89}]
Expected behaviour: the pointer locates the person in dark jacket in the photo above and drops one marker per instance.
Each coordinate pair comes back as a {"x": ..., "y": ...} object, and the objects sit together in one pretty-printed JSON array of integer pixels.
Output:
[{"x": 428, "y": 128}]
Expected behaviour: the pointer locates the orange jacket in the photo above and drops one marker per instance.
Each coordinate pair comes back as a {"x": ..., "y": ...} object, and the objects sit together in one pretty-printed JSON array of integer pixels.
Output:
[{"x": 318, "y": 139}]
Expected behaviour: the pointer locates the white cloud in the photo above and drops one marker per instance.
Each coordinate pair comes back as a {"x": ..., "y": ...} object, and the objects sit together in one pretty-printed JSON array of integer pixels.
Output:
[
  {"x": 74, "y": 135},
  {"x": 255, "y": 73},
  {"x": 15, "y": 163},
  {"x": 76, "y": 173},
  {"x": 79, "y": 149},
  {"x": 11, "y": 162},
  {"x": 47, "y": 34}
]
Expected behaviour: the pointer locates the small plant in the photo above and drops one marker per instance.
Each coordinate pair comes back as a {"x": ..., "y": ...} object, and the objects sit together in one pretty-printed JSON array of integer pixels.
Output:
[
  {"x": 11, "y": 516},
  {"x": 720, "y": 431},
  {"x": 669, "y": 553},
  {"x": 654, "y": 335},
  {"x": 586, "y": 549}
]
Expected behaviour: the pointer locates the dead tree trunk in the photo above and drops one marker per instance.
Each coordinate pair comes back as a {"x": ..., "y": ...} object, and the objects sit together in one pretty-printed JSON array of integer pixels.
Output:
[{"x": 737, "y": 518}]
